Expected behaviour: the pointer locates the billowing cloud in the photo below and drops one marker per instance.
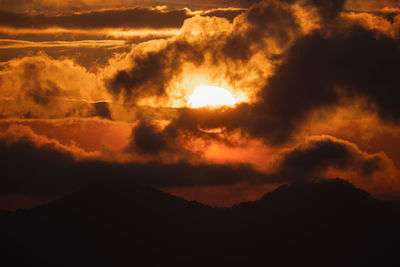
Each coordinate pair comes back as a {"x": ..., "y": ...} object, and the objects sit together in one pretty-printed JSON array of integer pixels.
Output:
[
  {"x": 328, "y": 9},
  {"x": 88, "y": 134},
  {"x": 319, "y": 70},
  {"x": 147, "y": 139},
  {"x": 213, "y": 43},
  {"x": 41, "y": 87},
  {"x": 152, "y": 71},
  {"x": 51, "y": 169},
  {"x": 263, "y": 21},
  {"x": 318, "y": 154}
]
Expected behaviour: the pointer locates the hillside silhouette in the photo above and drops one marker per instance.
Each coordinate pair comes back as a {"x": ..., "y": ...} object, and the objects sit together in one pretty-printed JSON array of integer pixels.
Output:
[{"x": 327, "y": 223}]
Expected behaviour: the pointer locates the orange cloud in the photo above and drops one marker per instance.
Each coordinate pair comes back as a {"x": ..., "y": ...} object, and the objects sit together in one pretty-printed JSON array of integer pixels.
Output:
[
  {"x": 59, "y": 6},
  {"x": 7, "y": 43},
  {"x": 41, "y": 87},
  {"x": 90, "y": 135},
  {"x": 16, "y": 133},
  {"x": 374, "y": 5}
]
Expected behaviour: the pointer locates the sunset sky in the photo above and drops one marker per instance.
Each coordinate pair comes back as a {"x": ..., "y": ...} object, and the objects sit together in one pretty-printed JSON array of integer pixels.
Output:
[{"x": 218, "y": 101}]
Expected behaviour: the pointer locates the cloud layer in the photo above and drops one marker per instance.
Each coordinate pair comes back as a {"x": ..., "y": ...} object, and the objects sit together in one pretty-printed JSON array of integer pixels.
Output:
[{"x": 52, "y": 169}]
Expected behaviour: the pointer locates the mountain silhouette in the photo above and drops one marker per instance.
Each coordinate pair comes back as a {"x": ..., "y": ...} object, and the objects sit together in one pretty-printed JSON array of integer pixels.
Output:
[{"x": 326, "y": 223}]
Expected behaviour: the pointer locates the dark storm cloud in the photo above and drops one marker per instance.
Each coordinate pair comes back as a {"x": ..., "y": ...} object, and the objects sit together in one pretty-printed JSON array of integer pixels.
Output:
[
  {"x": 191, "y": 120},
  {"x": 308, "y": 160},
  {"x": 102, "y": 110},
  {"x": 229, "y": 14},
  {"x": 119, "y": 18},
  {"x": 147, "y": 78},
  {"x": 266, "y": 20},
  {"x": 273, "y": 19},
  {"x": 147, "y": 139},
  {"x": 152, "y": 72},
  {"x": 47, "y": 171},
  {"x": 249, "y": 3},
  {"x": 130, "y": 18},
  {"x": 319, "y": 70},
  {"x": 39, "y": 91},
  {"x": 328, "y": 9}
]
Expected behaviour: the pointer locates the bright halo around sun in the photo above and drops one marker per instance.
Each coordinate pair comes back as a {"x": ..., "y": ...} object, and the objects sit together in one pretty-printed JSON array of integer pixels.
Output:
[{"x": 210, "y": 96}]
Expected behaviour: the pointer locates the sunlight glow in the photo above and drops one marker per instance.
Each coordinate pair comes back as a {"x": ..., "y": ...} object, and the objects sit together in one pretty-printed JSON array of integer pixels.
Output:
[{"x": 210, "y": 96}]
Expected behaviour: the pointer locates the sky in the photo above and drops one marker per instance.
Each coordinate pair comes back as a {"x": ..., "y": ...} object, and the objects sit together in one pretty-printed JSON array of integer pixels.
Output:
[{"x": 218, "y": 102}]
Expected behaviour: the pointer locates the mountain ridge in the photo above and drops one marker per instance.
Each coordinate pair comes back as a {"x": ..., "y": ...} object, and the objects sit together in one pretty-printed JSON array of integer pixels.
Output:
[{"x": 119, "y": 224}]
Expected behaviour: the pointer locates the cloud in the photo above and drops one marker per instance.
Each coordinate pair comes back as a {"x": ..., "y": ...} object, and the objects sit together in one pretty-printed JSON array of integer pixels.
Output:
[
  {"x": 74, "y": 35},
  {"x": 320, "y": 157},
  {"x": 265, "y": 49},
  {"x": 309, "y": 73},
  {"x": 328, "y": 9},
  {"x": 134, "y": 18},
  {"x": 151, "y": 71},
  {"x": 50, "y": 169},
  {"x": 7, "y": 43},
  {"x": 70, "y": 6},
  {"x": 266, "y": 20},
  {"x": 318, "y": 154},
  {"x": 129, "y": 18},
  {"x": 263, "y": 31},
  {"x": 320, "y": 71},
  {"x": 91, "y": 54},
  {"x": 89, "y": 134},
  {"x": 147, "y": 139},
  {"x": 16, "y": 133},
  {"x": 374, "y": 5},
  {"x": 41, "y": 87},
  {"x": 227, "y": 13}
]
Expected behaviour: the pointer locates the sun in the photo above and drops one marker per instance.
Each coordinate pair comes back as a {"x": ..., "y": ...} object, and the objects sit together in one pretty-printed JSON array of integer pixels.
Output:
[{"x": 210, "y": 96}]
